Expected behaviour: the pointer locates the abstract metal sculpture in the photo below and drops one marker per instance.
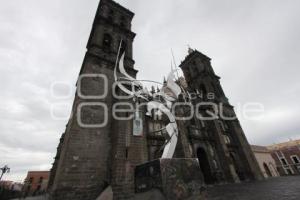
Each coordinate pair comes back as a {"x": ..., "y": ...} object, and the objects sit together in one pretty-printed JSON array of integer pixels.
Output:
[{"x": 167, "y": 96}]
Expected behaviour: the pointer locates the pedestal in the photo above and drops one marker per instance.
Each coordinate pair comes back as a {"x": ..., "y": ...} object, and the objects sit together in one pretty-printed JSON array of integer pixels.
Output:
[{"x": 177, "y": 179}]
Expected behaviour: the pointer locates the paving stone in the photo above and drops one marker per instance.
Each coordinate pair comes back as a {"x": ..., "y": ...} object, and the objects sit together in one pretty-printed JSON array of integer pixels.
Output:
[{"x": 281, "y": 188}]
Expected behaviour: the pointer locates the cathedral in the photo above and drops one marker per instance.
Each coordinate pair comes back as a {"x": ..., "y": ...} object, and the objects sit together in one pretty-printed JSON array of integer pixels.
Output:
[{"x": 98, "y": 150}]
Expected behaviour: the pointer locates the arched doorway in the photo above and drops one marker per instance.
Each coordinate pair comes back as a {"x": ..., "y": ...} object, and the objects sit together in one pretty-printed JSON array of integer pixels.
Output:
[
  {"x": 204, "y": 165},
  {"x": 267, "y": 170}
]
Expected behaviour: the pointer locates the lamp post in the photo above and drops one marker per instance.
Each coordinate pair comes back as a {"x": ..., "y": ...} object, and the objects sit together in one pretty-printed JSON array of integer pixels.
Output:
[{"x": 4, "y": 170}]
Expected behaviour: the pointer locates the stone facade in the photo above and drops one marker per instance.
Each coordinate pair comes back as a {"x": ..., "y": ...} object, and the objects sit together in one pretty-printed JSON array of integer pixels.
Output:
[
  {"x": 265, "y": 161},
  {"x": 287, "y": 157},
  {"x": 219, "y": 143},
  {"x": 90, "y": 159}
]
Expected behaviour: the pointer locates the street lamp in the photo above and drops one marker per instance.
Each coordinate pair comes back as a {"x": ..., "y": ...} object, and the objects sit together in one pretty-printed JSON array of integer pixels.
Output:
[{"x": 4, "y": 170}]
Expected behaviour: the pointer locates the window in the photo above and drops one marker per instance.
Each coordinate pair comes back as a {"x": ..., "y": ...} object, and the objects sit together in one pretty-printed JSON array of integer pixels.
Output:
[
  {"x": 280, "y": 153},
  {"x": 110, "y": 16},
  {"x": 107, "y": 41},
  {"x": 123, "y": 22},
  {"x": 126, "y": 153},
  {"x": 31, "y": 180},
  {"x": 193, "y": 70},
  {"x": 283, "y": 161},
  {"x": 41, "y": 180},
  {"x": 295, "y": 159}
]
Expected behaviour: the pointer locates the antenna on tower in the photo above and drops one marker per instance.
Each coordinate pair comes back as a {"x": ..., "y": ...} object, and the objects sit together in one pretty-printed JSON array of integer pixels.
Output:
[{"x": 174, "y": 61}]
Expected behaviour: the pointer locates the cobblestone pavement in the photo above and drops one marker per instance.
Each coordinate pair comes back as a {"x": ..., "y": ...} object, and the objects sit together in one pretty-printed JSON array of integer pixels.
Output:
[{"x": 282, "y": 188}]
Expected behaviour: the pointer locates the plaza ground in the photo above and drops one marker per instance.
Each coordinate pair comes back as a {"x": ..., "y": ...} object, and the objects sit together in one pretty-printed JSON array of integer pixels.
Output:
[{"x": 281, "y": 188}]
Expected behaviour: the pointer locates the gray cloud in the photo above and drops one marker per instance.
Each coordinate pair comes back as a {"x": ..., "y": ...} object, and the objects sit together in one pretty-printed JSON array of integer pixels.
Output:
[{"x": 253, "y": 45}]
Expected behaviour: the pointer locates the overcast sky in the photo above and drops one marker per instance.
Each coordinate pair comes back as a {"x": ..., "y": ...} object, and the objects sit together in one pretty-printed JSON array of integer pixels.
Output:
[{"x": 254, "y": 46}]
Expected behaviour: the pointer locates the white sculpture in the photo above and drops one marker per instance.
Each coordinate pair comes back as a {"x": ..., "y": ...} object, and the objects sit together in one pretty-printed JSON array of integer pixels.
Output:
[{"x": 169, "y": 94}]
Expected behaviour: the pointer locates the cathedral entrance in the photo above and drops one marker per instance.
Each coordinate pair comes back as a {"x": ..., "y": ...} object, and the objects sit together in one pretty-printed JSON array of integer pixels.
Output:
[
  {"x": 267, "y": 170},
  {"x": 204, "y": 165}
]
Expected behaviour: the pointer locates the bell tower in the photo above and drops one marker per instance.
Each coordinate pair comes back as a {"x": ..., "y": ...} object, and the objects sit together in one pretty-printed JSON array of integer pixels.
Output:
[
  {"x": 84, "y": 165},
  {"x": 111, "y": 25},
  {"x": 201, "y": 77},
  {"x": 222, "y": 136}
]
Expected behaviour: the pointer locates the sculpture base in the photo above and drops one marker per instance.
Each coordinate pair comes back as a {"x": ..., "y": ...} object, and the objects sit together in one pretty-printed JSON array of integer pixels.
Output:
[{"x": 175, "y": 178}]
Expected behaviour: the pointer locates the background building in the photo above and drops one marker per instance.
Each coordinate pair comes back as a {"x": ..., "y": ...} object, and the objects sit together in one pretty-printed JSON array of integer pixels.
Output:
[
  {"x": 287, "y": 157},
  {"x": 10, "y": 185},
  {"x": 10, "y": 189},
  {"x": 265, "y": 160},
  {"x": 6, "y": 184},
  {"x": 36, "y": 182}
]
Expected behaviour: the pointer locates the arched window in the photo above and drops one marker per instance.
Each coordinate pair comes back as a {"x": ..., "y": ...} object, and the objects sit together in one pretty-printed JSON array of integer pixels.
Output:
[
  {"x": 107, "y": 41},
  {"x": 110, "y": 16},
  {"x": 193, "y": 70},
  {"x": 123, "y": 22}
]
